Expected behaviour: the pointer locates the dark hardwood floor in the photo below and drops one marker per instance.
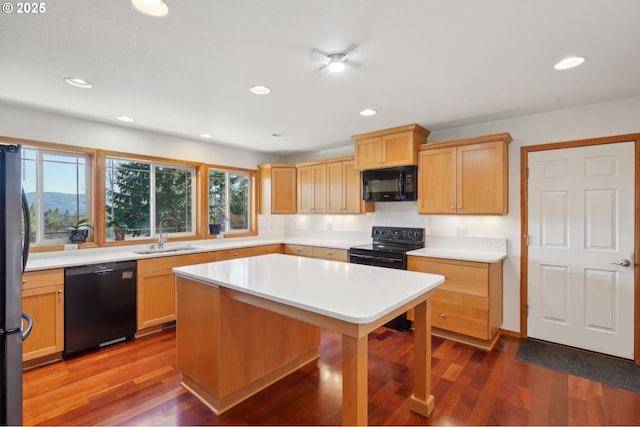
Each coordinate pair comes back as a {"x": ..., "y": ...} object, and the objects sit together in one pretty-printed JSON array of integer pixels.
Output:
[{"x": 136, "y": 383}]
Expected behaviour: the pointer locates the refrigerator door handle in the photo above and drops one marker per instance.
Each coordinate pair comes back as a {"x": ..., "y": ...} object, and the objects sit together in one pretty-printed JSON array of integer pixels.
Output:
[
  {"x": 27, "y": 230},
  {"x": 27, "y": 330}
]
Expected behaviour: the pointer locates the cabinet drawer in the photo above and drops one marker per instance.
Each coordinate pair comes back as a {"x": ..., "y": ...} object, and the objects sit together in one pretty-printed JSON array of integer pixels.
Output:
[
  {"x": 234, "y": 253},
  {"x": 466, "y": 320},
  {"x": 38, "y": 279},
  {"x": 299, "y": 250},
  {"x": 332, "y": 254},
  {"x": 267, "y": 249},
  {"x": 459, "y": 276}
]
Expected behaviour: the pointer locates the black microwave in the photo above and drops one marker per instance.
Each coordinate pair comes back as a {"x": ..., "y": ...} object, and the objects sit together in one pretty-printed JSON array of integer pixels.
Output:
[{"x": 390, "y": 184}]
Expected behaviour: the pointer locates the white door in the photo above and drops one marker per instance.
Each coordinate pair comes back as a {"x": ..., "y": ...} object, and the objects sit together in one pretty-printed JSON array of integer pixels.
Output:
[{"x": 581, "y": 238}]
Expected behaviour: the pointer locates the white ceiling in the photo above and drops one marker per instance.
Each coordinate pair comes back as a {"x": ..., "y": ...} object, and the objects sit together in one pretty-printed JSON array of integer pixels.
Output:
[{"x": 438, "y": 63}]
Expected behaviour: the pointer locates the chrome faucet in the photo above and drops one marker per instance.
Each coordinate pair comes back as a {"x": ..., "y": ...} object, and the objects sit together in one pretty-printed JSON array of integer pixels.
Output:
[{"x": 161, "y": 238}]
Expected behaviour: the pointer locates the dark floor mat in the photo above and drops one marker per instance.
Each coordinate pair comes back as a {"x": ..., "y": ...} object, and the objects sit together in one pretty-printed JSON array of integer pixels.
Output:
[{"x": 607, "y": 370}]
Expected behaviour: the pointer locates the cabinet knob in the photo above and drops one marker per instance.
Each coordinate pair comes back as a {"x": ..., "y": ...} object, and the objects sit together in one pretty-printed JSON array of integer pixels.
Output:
[
  {"x": 59, "y": 291},
  {"x": 453, "y": 207},
  {"x": 24, "y": 282},
  {"x": 444, "y": 316}
]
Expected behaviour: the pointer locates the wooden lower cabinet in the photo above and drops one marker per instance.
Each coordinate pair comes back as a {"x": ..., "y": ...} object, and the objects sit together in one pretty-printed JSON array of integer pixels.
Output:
[
  {"x": 157, "y": 289},
  {"x": 467, "y": 307},
  {"x": 317, "y": 252},
  {"x": 267, "y": 249},
  {"x": 233, "y": 253},
  {"x": 43, "y": 300}
]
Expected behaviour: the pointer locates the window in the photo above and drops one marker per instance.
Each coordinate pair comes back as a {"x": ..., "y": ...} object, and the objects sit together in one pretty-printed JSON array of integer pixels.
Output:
[
  {"x": 229, "y": 200},
  {"x": 57, "y": 186},
  {"x": 139, "y": 194}
]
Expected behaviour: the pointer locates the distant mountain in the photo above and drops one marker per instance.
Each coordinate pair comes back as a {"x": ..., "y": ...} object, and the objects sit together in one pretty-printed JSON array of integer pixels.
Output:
[{"x": 62, "y": 201}]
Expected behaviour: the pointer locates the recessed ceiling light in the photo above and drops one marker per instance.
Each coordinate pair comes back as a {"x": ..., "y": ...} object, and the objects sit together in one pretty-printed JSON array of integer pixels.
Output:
[
  {"x": 260, "y": 90},
  {"x": 368, "y": 112},
  {"x": 125, "y": 119},
  {"x": 570, "y": 62},
  {"x": 155, "y": 8},
  {"x": 73, "y": 81},
  {"x": 205, "y": 135}
]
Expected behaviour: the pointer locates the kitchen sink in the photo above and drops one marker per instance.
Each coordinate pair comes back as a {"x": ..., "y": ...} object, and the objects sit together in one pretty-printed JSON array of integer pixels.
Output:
[{"x": 165, "y": 250}]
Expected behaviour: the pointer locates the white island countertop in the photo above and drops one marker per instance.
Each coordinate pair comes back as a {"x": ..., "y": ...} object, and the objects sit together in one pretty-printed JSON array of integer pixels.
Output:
[{"x": 354, "y": 293}]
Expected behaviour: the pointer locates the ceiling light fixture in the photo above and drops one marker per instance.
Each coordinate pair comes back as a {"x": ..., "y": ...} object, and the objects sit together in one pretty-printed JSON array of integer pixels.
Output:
[
  {"x": 205, "y": 135},
  {"x": 260, "y": 90},
  {"x": 368, "y": 112},
  {"x": 73, "y": 81},
  {"x": 336, "y": 62},
  {"x": 125, "y": 119},
  {"x": 569, "y": 62},
  {"x": 155, "y": 8},
  {"x": 277, "y": 134}
]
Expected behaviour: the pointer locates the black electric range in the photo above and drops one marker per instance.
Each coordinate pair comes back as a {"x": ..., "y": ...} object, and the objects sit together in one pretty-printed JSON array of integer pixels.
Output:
[{"x": 389, "y": 249}]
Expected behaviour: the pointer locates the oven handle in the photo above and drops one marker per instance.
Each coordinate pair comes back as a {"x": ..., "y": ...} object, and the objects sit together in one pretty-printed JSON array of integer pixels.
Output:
[{"x": 375, "y": 257}]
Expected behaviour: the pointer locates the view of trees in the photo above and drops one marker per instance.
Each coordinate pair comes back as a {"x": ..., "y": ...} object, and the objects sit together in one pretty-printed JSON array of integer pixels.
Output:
[{"x": 128, "y": 194}]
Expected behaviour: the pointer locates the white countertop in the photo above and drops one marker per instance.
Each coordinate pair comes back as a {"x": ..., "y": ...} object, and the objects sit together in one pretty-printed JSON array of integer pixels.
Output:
[
  {"x": 460, "y": 254},
  {"x": 351, "y": 292},
  {"x": 475, "y": 249},
  {"x": 61, "y": 259}
]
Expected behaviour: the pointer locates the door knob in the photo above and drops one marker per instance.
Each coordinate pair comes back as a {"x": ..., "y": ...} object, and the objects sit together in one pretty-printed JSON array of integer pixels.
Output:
[{"x": 624, "y": 263}]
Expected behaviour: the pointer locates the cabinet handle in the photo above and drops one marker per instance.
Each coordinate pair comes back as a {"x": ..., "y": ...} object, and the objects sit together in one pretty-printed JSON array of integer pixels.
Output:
[
  {"x": 24, "y": 282},
  {"x": 453, "y": 207},
  {"x": 59, "y": 291},
  {"x": 444, "y": 316}
]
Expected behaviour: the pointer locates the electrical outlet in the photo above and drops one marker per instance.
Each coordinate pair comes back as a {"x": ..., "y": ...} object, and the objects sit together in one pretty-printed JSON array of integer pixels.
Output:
[
  {"x": 462, "y": 230},
  {"x": 71, "y": 247},
  {"x": 329, "y": 226}
]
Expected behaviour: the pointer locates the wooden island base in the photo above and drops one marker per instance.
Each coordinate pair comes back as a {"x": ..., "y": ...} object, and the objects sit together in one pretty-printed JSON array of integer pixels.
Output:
[
  {"x": 245, "y": 323},
  {"x": 229, "y": 350}
]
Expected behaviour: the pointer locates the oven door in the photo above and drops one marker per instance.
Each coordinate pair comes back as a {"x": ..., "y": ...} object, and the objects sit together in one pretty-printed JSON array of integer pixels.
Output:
[{"x": 388, "y": 260}]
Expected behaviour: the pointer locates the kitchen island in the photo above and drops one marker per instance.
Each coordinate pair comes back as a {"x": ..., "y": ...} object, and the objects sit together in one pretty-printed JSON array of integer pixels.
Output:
[{"x": 245, "y": 323}]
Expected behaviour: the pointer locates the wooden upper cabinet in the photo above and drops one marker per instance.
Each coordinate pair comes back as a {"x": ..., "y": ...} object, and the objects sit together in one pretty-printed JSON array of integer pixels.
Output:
[
  {"x": 312, "y": 188},
  {"x": 390, "y": 147},
  {"x": 331, "y": 186},
  {"x": 465, "y": 176},
  {"x": 277, "y": 189}
]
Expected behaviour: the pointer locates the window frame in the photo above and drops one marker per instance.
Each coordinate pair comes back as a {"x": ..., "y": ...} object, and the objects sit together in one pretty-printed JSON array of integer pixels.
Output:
[
  {"x": 91, "y": 184},
  {"x": 253, "y": 201},
  {"x": 155, "y": 162}
]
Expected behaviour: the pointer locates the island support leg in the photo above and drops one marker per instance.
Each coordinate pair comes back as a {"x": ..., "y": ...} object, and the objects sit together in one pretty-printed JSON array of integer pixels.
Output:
[
  {"x": 354, "y": 381},
  {"x": 422, "y": 401}
]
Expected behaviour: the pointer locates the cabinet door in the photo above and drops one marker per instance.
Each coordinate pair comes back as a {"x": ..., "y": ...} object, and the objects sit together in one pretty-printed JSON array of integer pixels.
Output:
[
  {"x": 437, "y": 181},
  {"x": 368, "y": 153},
  {"x": 335, "y": 187},
  {"x": 157, "y": 288},
  {"x": 305, "y": 189},
  {"x": 45, "y": 305},
  {"x": 319, "y": 173},
  {"x": 482, "y": 178},
  {"x": 283, "y": 190},
  {"x": 312, "y": 189},
  {"x": 352, "y": 194},
  {"x": 398, "y": 150}
]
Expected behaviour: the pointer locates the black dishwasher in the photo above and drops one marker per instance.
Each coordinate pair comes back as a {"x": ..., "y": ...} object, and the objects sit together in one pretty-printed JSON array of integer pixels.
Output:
[{"x": 99, "y": 305}]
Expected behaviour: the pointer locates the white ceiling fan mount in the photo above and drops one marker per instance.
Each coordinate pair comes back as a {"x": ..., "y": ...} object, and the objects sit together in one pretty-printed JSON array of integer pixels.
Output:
[{"x": 334, "y": 61}]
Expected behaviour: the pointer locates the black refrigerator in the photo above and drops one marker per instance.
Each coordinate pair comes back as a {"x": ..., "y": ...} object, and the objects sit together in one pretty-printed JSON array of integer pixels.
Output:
[{"x": 14, "y": 249}]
